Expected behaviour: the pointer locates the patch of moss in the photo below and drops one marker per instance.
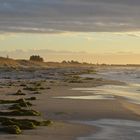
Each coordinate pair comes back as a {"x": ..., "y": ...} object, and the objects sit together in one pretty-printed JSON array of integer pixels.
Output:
[
  {"x": 23, "y": 85},
  {"x": 41, "y": 88},
  {"x": 31, "y": 98},
  {"x": 22, "y": 102},
  {"x": 35, "y": 87},
  {"x": 27, "y": 125},
  {"x": 15, "y": 107},
  {"x": 89, "y": 78},
  {"x": 12, "y": 129},
  {"x": 23, "y": 124},
  {"x": 46, "y": 123},
  {"x": 19, "y": 92},
  {"x": 7, "y": 101},
  {"x": 37, "y": 84},
  {"x": 37, "y": 92},
  {"x": 20, "y": 112},
  {"x": 31, "y": 88},
  {"x": 74, "y": 79}
]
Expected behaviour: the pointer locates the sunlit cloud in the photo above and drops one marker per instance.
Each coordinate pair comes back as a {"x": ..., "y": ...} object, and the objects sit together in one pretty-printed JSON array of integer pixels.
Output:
[{"x": 131, "y": 34}]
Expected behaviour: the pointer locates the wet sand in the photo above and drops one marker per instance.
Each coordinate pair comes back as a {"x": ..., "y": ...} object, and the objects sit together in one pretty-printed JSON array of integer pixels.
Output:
[
  {"x": 64, "y": 111},
  {"x": 69, "y": 109}
]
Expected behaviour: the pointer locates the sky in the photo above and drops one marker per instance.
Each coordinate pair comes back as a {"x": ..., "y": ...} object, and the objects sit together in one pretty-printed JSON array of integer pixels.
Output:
[{"x": 96, "y": 31}]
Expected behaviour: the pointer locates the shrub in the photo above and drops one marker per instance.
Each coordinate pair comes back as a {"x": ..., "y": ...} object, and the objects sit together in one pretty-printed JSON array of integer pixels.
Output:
[{"x": 36, "y": 58}]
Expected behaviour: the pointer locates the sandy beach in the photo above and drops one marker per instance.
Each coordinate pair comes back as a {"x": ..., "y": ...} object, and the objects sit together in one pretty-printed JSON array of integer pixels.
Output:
[
  {"x": 69, "y": 70},
  {"x": 64, "y": 111}
]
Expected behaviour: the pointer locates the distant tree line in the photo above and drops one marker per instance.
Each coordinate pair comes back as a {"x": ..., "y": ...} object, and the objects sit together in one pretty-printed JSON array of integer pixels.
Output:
[
  {"x": 70, "y": 62},
  {"x": 36, "y": 58}
]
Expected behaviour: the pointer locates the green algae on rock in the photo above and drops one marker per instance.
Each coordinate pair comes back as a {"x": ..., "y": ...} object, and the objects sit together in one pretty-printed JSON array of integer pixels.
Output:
[
  {"x": 12, "y": 129},
  {"x": 20, "y": 112},
  {"x": 15, "y": 126}
]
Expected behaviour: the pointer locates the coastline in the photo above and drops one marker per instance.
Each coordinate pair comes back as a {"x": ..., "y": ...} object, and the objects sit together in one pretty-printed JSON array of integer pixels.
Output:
[{"x": 64, "y": 111}]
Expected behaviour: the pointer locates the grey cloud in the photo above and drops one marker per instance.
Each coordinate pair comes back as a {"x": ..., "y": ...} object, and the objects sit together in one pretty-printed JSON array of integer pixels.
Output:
[{"x": 50, "y": 16}]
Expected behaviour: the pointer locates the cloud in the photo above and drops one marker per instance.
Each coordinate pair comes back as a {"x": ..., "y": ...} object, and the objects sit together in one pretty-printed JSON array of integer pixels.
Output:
[
  {"x": 56, "y": 16},
  {"x": 131, "y": 34}
]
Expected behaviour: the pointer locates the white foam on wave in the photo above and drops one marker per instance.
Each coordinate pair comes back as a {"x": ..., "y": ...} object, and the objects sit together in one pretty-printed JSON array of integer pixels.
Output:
[
  {"x": 89, "y": 97},
  {"x": 129, "y": 92},
  {"x": 108, "y": 92}
]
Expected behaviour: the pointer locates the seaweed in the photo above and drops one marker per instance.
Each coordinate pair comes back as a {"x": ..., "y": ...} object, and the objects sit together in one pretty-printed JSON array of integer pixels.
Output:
[
  {"x": 31, "y": 98},
  {"x": 9, "y": 121},
  {"x": 15, "y": 107},
  {"x": 37, "y": 92},
  {"x": 22, "y": 102},
  {"x": 31, "y": 88},
  {"x": 12, "y": 129},
  {"x": 20, "y": 112},
  {"x": 15, "y": 126},
  {"x": 19, "y": 92}
]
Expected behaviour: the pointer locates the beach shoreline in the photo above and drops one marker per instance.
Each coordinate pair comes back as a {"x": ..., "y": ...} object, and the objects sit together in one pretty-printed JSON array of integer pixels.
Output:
[{"x": 64, "y": 111}]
